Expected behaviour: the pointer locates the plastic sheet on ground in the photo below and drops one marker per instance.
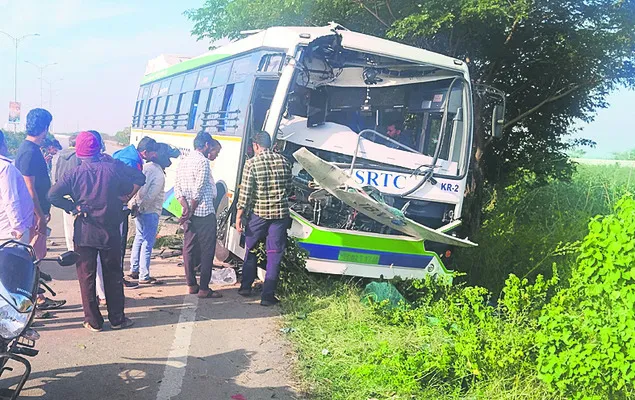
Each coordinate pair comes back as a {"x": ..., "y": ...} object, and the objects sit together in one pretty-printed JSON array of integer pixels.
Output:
[
  {"x": 223, "y": 276},
  {"x": 378, "y": 292}
]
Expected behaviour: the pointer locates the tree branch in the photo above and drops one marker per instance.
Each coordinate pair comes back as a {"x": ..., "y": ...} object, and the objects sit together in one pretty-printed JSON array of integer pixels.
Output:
[
  {"x": 374, "y": 14},
  {"x": 390, "y": 10},
  {"x": 535, "y": 108},
  {"x": 512, "y": 30}
]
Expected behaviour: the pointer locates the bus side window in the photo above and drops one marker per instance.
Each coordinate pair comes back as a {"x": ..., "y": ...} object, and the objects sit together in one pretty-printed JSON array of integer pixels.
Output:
[
  {"x": 215, "y": 104},
  {"x": 191, "y": 117},
  {"x": 147, "y": 115},
  {"x": 135, "y": 116},
  {"x": 224, "y": 115},
  {"x": 202, "y": 108}
]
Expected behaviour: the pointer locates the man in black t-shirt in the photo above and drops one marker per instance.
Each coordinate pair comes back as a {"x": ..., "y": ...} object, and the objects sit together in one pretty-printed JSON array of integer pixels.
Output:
[{"x": 31, "y": 163}]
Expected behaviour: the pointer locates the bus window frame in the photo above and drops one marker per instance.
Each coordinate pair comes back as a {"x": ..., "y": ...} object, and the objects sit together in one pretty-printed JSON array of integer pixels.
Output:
[{"x": 249, "y": 59}]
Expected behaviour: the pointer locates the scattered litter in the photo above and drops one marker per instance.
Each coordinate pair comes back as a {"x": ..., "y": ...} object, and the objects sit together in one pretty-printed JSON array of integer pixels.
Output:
[
  {"x": 287, "y": 330},
  {"x": 82, "y": 346},
  {"x": 224, "y": 276},
  {"x": 169, "y": 254},
  {"x": 238, "y": 397},
  {"x": 263, "y": 371},
  {"x": 325, "y": 352}
]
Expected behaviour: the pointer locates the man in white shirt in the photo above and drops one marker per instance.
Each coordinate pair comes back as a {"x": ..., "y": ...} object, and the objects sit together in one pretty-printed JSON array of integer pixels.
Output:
[
  {"x": 16, "y": 205},
  {"x": 195, "y": 192}
]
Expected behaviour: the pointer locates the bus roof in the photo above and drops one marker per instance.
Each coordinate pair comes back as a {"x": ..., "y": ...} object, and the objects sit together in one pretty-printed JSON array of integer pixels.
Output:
[{"x": 285, "y": 38}]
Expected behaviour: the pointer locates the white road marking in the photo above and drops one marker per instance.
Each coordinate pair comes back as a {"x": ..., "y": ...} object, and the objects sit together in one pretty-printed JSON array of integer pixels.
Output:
[{"x": 177, "y": 359}]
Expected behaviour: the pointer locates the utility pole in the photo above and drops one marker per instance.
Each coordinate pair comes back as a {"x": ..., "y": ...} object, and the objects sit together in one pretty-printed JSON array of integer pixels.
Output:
[
  {"x": 41, "y": 68},
  {"x": 16, "y": 42},
  {"x": 50, "y": 105}
]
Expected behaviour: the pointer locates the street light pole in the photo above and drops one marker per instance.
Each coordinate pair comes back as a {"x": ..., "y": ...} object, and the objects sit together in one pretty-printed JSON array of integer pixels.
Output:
[
  {"x": 16, "y": 41},
  {"x": 50, "y": 83},
  {"x": 41, "y": 68}
]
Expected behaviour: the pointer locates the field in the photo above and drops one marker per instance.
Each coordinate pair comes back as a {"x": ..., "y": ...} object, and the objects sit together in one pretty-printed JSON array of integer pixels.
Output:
[{"x": 558, "y": 327}]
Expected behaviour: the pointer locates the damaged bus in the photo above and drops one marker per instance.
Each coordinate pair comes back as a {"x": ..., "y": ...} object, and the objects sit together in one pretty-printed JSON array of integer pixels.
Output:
[{"x": 378, "y": 133}]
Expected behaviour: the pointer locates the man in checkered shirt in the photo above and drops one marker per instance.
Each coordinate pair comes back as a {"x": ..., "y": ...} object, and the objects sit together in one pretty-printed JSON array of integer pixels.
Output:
[
  {"x": 263, "y": 197},
  {"x": 195, "y": 190}
]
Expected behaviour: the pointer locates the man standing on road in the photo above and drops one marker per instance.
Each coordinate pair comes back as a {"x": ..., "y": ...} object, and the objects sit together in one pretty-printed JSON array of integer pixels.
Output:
[
  {"x": 97, "y": 191},
  {"x": 264, "y": 193},
  {"x": 195, "y": 191},
  {"x": 133, "y": 157},
  {"x": 66, "y": 161},
  {"x": 146, "y": 208},
  {"x": 31, "y": 163},
  {"x": 16, "y": 206}
]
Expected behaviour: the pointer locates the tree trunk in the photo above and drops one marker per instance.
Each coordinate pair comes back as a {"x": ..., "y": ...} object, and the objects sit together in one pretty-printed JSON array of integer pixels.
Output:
[{"x": 475, "y": 190}]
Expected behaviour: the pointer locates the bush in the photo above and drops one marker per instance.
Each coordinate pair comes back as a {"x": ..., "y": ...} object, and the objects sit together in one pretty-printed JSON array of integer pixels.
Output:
[
  {"x": 123, "y": 136},
  {"x": 526, "y": 227},
  {"x": 587, "y": 335},
  {"x": 14, "y": 140},
  {"x": 566, "y": 336},
  {"x": 447, "y": 341}
]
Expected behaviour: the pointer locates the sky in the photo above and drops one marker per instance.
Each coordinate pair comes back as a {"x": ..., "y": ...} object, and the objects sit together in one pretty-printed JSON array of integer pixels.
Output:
[{"x": 101, "y": 48}]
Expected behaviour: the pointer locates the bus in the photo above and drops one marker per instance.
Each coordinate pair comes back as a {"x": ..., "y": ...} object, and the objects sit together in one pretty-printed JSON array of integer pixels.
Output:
[{"x": 397, "y": 119}]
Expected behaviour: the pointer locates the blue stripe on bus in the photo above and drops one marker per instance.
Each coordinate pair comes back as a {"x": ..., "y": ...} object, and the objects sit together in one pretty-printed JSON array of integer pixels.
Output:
[{"x": 326, "y": 252}]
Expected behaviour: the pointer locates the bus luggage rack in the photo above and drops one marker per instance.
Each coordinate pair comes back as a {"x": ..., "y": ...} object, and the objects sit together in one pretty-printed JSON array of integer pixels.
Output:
[{"x": 222, "y": 118}]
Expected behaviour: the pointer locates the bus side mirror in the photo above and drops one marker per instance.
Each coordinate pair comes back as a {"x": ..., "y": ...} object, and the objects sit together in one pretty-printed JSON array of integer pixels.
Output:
[{"x": 498, "y": 120}]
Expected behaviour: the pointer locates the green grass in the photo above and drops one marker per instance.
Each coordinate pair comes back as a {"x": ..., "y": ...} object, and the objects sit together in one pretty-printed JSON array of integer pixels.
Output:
[
  {"x": 448, "y": 347},
  {"x": 347, "y": 350}
]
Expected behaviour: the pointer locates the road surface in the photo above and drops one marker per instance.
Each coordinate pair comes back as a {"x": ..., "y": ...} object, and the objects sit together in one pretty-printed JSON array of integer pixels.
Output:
[{"x": 179, "y": 348}]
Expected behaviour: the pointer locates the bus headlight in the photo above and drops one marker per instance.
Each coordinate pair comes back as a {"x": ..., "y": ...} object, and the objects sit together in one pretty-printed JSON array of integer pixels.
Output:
[{"x": 12, "y": 322}]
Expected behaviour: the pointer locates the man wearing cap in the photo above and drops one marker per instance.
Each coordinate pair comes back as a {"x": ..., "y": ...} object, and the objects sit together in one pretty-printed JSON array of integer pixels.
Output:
[{"x": 97, "y": 191}]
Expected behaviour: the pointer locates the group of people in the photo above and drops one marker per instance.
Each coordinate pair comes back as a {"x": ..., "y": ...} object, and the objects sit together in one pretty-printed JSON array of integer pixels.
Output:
[
  {"x": 262, "y": 214},
  {"x": 99, "y": 192}
]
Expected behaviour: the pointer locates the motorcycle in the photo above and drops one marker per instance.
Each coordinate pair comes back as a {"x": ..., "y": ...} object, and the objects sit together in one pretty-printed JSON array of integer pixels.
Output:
[{"x": 20, "y": 281}]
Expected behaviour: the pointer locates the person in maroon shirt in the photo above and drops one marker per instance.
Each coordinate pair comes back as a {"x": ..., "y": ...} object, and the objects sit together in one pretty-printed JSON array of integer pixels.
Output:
[{"x": 97, "y": 189}]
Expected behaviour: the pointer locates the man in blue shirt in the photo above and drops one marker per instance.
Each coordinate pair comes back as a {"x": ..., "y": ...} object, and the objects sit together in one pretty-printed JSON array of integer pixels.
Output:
[{"x": 133, "y": 157}]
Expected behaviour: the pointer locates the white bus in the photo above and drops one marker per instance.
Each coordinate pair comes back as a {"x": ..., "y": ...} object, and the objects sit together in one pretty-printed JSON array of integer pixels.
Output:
[{"x": 319, "y": 88}]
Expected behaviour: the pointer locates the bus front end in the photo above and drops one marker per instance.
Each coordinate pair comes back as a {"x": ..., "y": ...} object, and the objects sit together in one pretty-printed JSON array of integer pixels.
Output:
[{"x": 398, "y": 121}]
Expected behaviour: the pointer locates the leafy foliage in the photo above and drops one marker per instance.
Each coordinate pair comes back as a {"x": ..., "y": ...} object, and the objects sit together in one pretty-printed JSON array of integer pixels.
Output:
[
  {"x": 625, "y": 155},
  {"x": 555, "y": 60},
  {"x": 293, "y": 273},
  {"x": 586, "y": 338},
  {"x": 435, "y": 347},
  {"x": 14, "y": 140},
  {"x": 527, "y": 226},
  {"x": 567, "y": 336},
  {"x": 123, "y": 136}
]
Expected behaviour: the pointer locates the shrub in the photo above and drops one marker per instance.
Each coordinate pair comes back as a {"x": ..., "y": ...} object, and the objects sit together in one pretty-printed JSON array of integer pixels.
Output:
[
  {"x": 14, "y": 140},
  {"x": 587, "y": 335},
  {"x": 526, "y": 224}
]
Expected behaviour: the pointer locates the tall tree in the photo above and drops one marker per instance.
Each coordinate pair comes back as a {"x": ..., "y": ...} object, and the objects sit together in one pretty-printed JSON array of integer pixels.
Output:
[{"x": 555, "y": 59}]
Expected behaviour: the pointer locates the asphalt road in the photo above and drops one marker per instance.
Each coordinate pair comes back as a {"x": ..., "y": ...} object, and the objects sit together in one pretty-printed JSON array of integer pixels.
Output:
[{"x": 179, "y": 348}]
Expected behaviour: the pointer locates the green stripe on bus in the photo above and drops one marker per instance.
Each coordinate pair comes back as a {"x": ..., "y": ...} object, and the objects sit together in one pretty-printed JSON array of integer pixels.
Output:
[
  {"x": 182, "y": 67},
  {"x": 355, "y": 241}
]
